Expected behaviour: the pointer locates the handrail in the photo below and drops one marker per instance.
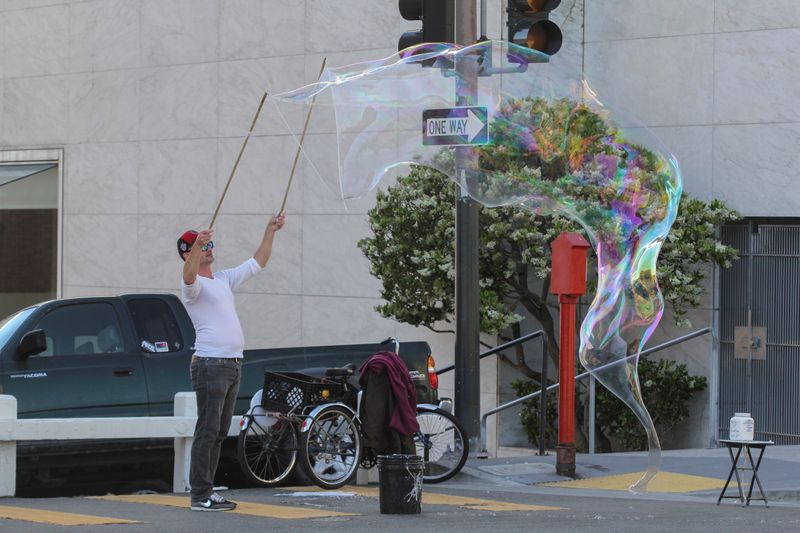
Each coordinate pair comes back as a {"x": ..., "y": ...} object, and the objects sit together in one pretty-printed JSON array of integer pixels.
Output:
[
  {"x": 554, "y": 386},
  {"x": 509, "y": 344},
  {"x": 497, "y": 349}
]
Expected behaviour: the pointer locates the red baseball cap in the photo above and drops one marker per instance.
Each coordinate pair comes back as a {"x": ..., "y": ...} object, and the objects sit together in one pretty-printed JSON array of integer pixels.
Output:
[{"x": 186, "y": 240}]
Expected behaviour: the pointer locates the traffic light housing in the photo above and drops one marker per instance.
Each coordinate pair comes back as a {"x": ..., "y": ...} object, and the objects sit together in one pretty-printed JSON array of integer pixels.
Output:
[
  {"x": 438, "y": 22},
  {"x": 529, "y": 25}
]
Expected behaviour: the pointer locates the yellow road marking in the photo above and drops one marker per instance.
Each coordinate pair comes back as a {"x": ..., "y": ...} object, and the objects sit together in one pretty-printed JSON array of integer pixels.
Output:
[
  {"x": 662, "y": 482},
  {"x": 42, "y": 516},
  {"x": 436, "y": 498},
  {"x": 246, "y": 508}
]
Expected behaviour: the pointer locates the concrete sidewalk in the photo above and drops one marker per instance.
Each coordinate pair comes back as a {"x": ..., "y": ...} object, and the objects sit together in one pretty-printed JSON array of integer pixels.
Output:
[{"x": 695, "y": 472}]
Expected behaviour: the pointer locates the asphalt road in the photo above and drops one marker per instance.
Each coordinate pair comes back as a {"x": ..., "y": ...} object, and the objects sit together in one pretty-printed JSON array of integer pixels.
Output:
[
  {"x": 502, "y": 494},
  {"x": 450, "y": 507}
]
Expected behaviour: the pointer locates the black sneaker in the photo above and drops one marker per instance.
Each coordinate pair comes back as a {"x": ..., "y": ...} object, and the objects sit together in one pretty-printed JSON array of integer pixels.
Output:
[
  {"x": 216, "y": 498},
  {"x": 213, "y": 503}
]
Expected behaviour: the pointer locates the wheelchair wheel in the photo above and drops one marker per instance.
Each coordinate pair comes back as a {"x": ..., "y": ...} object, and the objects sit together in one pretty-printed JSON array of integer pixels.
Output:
[
  {"x": 330, "y": 449},
  {"x": 441, "y": 444},
  {"x": 267, "y": 453}
]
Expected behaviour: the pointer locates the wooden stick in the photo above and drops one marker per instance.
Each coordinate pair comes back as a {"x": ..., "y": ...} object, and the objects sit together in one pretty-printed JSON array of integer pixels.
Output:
[
  {"x": 302, "y": 137},
  {"x": 239, "y": 157}
]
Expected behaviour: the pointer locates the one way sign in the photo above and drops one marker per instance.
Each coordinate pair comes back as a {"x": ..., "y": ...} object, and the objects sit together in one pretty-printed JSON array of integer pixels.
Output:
[{"x": 455, "y": 126}]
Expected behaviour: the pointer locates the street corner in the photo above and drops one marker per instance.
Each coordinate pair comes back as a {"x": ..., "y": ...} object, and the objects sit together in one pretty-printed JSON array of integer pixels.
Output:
[
  {"x": 529, "y": 472},
  {"x": 663, "y": 482}
]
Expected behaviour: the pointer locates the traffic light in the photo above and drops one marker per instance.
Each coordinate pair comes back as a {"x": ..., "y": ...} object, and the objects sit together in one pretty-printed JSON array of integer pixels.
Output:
[
  {"x": 438, "y": 22},
  {"x": 529, "y": 25}
]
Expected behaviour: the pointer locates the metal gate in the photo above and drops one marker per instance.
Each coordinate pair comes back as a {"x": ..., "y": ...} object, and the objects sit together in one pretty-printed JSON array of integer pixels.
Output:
[{"x": 760, "y": 330}]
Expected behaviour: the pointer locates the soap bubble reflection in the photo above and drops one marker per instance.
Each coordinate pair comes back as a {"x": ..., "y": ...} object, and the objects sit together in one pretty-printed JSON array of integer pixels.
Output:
[{"x": 553, "y": 146}]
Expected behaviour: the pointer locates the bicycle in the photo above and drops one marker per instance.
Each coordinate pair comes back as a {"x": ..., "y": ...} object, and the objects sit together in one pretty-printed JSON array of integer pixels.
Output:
[{"x": 313, "y": 417}]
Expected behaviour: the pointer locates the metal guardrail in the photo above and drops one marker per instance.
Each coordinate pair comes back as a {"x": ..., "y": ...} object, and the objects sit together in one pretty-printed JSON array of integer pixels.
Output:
[
  {"x": 554, "y": 386},
  {"x": 180, "y": 427}
]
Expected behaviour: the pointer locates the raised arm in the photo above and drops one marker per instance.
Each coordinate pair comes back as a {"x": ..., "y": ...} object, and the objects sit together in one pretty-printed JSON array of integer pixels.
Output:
[
  {"x": 275, "y": 223},
  {"x": 192, "y": 264}
]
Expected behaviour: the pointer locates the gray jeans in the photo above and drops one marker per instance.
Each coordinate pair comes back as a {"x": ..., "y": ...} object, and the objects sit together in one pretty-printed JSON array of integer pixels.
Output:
[{"x": 216, "y": 383}]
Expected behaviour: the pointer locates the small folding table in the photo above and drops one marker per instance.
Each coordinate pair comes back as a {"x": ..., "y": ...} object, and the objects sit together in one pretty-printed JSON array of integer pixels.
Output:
[{"x": 749, "y": 464}]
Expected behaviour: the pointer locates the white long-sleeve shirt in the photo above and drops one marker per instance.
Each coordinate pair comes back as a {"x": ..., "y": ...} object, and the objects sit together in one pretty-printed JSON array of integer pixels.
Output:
[{"x": 211, "y": 307}]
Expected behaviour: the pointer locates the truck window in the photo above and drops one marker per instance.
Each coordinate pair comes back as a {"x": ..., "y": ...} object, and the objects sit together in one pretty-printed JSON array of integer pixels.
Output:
[
  {"x": 81, "y": 329},
  {"x": 156, "y": 326}
]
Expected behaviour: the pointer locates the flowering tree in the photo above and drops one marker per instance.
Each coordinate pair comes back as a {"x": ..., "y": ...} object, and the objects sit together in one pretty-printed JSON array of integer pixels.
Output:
[
  {"x": 561, "y": 150},
  {"x": 412, "y": 252}
]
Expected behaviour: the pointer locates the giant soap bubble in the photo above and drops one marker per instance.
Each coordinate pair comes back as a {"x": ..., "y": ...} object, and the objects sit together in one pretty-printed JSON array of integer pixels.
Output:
[{"x": 549, "y": 143}]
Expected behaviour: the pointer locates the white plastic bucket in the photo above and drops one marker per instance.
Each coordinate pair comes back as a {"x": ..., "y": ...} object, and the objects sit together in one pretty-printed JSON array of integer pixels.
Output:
[{"x": 742, "y": 427}]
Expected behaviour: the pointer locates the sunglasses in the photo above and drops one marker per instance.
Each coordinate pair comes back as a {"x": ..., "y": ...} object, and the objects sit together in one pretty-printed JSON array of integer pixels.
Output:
[{"x": 208, "y": 246}]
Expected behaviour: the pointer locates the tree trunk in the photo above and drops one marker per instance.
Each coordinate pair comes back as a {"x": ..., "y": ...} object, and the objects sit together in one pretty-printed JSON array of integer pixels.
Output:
[
  {"x": 536, "y": 305},
  {"x": 519, "y": 363}
]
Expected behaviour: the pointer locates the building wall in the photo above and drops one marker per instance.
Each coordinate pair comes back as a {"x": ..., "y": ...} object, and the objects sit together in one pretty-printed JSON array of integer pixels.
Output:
[
  {"x": 151, "y": 99},
  {"x": 715, "y": 81}
]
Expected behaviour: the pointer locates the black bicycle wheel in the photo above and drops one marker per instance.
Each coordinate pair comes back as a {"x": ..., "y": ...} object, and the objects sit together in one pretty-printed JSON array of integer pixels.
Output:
[
  {"x": 267, "y": 453},
  {"x": 330, "y": 449},
  {"x": 441, "y": 444}
]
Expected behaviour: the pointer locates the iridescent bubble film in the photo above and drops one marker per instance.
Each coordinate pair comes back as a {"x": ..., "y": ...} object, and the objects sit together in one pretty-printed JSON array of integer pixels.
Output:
[{"x": 510, "y": 129}]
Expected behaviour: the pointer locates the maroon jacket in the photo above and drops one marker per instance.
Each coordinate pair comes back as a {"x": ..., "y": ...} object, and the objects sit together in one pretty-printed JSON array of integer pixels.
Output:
[{"x": 404, "y": 417}]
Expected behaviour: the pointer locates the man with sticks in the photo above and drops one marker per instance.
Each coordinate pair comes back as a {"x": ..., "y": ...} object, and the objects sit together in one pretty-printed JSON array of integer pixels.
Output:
[{"x": 216, "y": 364}]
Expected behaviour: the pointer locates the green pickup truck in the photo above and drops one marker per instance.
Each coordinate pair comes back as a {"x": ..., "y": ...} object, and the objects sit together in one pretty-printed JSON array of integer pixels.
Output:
[{"x": 127, "y": 356}]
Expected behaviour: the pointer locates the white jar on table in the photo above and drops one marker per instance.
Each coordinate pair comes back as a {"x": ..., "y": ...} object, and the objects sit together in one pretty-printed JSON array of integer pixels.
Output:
[{"x": 742, "y": 427}]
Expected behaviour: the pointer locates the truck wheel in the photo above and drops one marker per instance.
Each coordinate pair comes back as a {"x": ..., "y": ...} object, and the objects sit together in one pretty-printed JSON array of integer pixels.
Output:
[
  {"x": 441, "y": 444},
  {"x": 330, "y": 449},
  {"x": 267, "y": 455}
]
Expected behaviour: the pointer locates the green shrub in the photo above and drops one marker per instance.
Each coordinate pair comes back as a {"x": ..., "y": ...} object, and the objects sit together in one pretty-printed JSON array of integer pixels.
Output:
[
  {"x": 667, "y": 389},
  {"x": 529, "y": 416}
]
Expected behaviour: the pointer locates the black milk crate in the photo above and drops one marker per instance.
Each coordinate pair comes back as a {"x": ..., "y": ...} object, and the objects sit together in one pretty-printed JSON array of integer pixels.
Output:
[{"x": 291, "y": 391}]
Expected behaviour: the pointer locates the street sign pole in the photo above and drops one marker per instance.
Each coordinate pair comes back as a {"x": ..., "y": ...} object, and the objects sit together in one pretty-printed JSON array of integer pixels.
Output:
[{"x": 467, "y": 355}]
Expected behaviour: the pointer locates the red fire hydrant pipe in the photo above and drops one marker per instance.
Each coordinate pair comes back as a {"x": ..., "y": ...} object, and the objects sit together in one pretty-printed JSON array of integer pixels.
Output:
[
  {"x": 566, "y": 372},
  {"x": 568, "y": 281}
]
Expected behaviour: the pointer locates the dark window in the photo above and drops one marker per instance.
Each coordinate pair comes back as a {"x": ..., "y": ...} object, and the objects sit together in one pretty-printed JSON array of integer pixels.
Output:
[
  {"x": 81, "y": 329},
  {"x": 28, "y": 225},
  {"x": 156, "y": 325}
]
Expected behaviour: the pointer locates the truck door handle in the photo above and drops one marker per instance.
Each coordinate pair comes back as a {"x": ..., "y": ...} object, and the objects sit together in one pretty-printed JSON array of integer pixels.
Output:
[{"x": 123, "y": 372}]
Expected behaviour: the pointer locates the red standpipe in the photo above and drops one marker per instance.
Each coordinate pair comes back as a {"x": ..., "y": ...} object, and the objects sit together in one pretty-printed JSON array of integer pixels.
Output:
[
  {"x": 565, "y": 452},
  {"x": 568, "y": 281}
]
